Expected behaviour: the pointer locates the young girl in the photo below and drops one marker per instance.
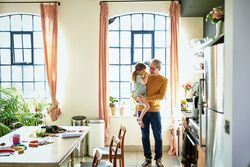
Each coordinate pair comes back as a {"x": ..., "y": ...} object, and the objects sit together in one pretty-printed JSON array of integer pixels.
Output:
[{"x": 140, "y": 78}]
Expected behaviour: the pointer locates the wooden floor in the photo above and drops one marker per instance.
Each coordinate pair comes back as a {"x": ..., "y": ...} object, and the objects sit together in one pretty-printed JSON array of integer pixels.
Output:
[{"x": 135, "y": 159}]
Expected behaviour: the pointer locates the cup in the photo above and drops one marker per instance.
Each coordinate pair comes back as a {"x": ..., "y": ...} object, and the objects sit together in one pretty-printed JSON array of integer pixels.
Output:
[{"x": 15, "y": 139}]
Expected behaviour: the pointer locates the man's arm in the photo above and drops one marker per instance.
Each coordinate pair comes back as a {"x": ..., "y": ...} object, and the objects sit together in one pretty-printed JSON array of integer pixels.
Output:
[{"x": 158, "y": 96}]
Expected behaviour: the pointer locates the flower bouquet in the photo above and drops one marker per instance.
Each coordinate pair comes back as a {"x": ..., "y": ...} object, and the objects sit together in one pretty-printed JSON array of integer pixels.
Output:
[{"x": 217, "y": 14}]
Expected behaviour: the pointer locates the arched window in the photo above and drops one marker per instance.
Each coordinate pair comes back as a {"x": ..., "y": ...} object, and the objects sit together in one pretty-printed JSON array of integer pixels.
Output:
[
  {"x": 22, "y": 56},
  {"x": 133, "y": 38}
]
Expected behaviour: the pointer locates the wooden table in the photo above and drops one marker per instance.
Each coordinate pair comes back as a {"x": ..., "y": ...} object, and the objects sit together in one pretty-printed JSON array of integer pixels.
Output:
[{"x": 50, "y": 155}]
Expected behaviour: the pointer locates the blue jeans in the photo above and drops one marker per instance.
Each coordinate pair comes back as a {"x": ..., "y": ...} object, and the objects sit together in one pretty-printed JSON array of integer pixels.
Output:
[{"x": 153, "y": 118}]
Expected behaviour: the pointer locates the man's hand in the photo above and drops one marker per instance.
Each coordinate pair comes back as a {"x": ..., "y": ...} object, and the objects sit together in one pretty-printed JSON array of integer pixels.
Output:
[{"x": 141, "y": 99}]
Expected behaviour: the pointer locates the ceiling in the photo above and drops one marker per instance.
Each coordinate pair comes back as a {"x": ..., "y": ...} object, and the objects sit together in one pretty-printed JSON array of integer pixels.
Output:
[{"x": 198, "y": 8}]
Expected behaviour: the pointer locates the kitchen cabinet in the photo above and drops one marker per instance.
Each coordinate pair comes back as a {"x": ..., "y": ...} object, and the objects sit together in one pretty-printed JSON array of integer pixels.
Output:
[{"x": 201, "y": 161}]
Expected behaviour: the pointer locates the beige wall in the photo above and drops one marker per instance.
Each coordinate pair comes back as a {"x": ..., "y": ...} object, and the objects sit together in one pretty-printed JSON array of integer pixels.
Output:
[{"x": 78, "y": 52}]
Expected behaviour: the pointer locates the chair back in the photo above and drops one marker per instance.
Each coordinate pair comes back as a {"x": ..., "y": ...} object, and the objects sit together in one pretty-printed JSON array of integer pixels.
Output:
[
  {"x": 121, "y": 136},
  {"x": 97, "y": 158},
  {"x": 113, "y": 149}
]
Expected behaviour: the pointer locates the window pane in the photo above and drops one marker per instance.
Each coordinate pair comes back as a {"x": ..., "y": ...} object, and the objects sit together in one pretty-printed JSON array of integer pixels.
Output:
[
  {"x": 38, "y": 40},
  {"x": 114, "y": 25},
  {"x": 168, "y": 55},
  {"x": 147, "y": 55},
  {"x": 125, "y": 56},
  {"x": 4, "y": 24},
  {"x": 160, "y": 23},
  {"x": 125, "y": 73},
  {"x": 27, "y": 22},
  {"x": 114, "y": 73},
  {"x": 137, "y": 55},
  {"x": 160, "y": 36},
  {"x": 137, "y": 40},
  {"x": 18, "y": 56},
  {"x": 168, "y": 38},
  {"x": 5, "y": 56},
  {"x": 147, "y": 40},
  {"x": 148, "y": 22},
  {"x": 137, "y": 22},
  {"x": 28, "y": 73},
  {"x": 17, "y": 41},
  {"x": 28, "y": 90},
  {"x": 38, "y": 56},
  {"x": 39, "y": 90},
  {"x": 16, "y": 23},
  {"x": 168, "y": 24},
  {"x": 27, "y": 41},
  {"x": 5, "y": 73},
  {"x": 113, "y": 39},
  {"x": 163, "y": 70},
  {"x": 114, "y": 89},
  {"x": 113, "y": 56},
  {"x": 125, "y": 89},
  {"x": 19, "y": 86},
  {"x": 5, "y": 39},
  {"x": 160, "y": 54},
  {"x": 27, "y": 56},
  {"x": 39, "y": 73},
  {"x": 125, "y": 39},
  {"x": 17, "y": 73},
  {"x": 126, "y": 23},
  {"x": 37, "y": 23}
]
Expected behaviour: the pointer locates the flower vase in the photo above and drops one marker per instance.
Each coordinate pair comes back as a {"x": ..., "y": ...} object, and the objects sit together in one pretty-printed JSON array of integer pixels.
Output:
[{"x": 219, "y": 28}]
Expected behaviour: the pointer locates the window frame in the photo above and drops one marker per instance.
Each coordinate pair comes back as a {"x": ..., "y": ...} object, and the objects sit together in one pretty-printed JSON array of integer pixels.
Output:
[
  {"x": 117, "y": 50},
  {"x": 34, "y": 84},
  {"x": 133, "y": 47},
  {"x": 12, "y": 33}
]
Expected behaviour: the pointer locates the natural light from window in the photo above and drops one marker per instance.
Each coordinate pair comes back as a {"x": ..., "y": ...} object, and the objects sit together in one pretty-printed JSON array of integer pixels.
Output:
[
  {"x": 133, "y": 38},
  {"x": 22, "y": 55}
]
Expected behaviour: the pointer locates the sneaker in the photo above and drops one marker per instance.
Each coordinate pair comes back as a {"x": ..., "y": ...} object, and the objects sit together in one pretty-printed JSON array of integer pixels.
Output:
[
  {"x": 158, "y": 163},
  {"x": 146, "y": 163}
]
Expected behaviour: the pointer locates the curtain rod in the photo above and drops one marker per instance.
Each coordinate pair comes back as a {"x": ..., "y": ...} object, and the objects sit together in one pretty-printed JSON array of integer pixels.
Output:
[
  {"x": 140, "y": 1},
  {"x": 33, "y": 2}
]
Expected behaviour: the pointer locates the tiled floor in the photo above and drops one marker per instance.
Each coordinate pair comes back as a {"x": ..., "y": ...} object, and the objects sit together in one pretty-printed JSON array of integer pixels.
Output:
[{"x": 135, "y": 159}]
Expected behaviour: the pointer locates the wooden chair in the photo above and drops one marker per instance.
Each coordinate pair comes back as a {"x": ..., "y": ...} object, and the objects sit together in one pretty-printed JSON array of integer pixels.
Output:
[
  {"x": 120, "y": 154},
  {"x": 96, "y": 160},
  {"x": 113, "y": 150}
]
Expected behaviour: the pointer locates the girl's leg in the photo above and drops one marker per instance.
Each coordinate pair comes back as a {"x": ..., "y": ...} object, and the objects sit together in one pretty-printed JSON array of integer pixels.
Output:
[{"x": 143, "y": 112}]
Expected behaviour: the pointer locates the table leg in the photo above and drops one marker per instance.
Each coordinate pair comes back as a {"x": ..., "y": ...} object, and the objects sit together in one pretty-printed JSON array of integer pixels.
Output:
[{"x": 72, "y": 159}]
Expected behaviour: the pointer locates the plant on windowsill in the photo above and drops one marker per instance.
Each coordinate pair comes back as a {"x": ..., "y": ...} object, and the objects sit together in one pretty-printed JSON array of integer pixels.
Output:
[{"x": 112, "y": 104}]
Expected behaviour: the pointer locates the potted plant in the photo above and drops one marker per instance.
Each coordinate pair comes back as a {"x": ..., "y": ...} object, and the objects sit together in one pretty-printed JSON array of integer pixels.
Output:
[{"x": 112, "y": 101}]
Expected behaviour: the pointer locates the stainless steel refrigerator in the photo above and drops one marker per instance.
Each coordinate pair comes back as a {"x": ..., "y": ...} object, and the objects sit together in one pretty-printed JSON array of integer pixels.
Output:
[{"x": 211, "y": 110}]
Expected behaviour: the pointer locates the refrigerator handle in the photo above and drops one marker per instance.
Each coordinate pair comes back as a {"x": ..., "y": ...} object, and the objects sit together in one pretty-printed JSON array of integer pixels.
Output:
[{"x": 202, "y": 104}]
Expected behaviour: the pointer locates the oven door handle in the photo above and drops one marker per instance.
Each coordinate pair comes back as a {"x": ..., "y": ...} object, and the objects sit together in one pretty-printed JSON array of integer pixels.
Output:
[{"x": 190, "y": 139}]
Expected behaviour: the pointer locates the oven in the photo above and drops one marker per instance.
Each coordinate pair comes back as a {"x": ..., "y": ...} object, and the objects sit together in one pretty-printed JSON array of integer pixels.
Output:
[{"x": 191, "y": 141}]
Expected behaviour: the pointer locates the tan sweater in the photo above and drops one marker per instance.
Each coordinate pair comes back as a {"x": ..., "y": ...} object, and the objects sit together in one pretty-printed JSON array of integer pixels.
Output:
[{"x": 156, "y": 90}]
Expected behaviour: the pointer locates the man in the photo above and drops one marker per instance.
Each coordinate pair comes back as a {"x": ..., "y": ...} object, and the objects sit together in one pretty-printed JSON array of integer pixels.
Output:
[{"x": 156, "y": 90}]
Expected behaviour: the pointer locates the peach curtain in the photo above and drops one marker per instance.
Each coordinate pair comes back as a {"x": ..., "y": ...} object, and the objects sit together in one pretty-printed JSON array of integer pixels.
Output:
[
  {"x": 103, "y": 66},
  {"x": 174, "y": 13},
  {"x": 50, "y": 31}
]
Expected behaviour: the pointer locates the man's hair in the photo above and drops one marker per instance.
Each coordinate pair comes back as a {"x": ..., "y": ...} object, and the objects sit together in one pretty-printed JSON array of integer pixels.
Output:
[{"x": 157, "y": 63}]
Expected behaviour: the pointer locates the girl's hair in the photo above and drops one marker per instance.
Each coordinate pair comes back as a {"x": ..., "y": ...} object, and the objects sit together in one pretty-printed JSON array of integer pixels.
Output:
[{"x": 138, "y": 67}]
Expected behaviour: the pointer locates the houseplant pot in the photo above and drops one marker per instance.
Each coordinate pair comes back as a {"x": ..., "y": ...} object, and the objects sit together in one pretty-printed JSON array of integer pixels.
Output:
[{"x": 112, "y": 104}]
